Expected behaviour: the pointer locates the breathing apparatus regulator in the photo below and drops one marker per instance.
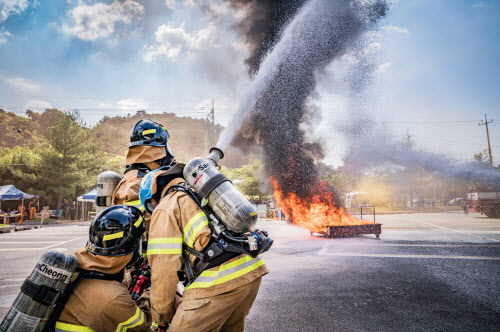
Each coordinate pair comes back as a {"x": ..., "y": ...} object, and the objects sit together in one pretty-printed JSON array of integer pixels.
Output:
[{"x": 232, "y": 217}]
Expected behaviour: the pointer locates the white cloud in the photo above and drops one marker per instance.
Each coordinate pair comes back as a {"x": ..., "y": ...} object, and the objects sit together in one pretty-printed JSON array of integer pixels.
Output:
[
  {"x": 189, "y": 3},
  {"x": 383, "y": 67},
  {"x": 20, "y": 83},
  {"x": 171, "y": 42},
  {"x": 98, "y": 20},
  {"x": 10, "y": 7},
  {"x": 132, "y": 104},
  {"x": 478, "y": 5},
  {"x": 170, "y": 4},
  {"x": 36, "y": 104},
  {"x": 3, "y": 36},
  {"x": 394, "y": 28}
]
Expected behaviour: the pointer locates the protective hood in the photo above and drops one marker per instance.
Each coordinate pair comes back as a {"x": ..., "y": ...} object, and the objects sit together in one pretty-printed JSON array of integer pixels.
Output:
[
  {"x": 144, "y": 153},
  {"x": 104, "y": 264}
]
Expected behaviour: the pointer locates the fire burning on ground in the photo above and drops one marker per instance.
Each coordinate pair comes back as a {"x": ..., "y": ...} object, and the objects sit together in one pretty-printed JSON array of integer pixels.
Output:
[{"x": 316, "y": 212}]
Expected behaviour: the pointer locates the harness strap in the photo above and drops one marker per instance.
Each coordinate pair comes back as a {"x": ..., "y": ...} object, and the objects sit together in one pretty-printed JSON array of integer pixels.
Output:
[
  {"x": 143, "y": 170},
  {"x": 214, "y": 254},
  {"x": 212, "y": 183},
  {"x": 92, "y": 274},
  {"x": 43, "y": 294}
]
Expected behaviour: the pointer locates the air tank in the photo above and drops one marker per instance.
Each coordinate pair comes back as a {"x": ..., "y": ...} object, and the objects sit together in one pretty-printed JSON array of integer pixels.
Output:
[
  {"x": 40, "y": 292},
  {"x": 106, "y": 184},
  {"x": 235, "y": 211}
]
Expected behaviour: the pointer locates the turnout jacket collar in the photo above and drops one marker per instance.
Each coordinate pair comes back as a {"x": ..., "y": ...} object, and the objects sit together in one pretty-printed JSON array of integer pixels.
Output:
[{"x": 104, "y": 264}]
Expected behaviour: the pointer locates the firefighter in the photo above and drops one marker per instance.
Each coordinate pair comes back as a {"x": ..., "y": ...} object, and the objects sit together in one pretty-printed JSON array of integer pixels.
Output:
[
  {"x": 221, "y": 297},
  {"x": 148, "y": 150},
  {"x": 100, "y": 302},
  {"x": 32, "y": 208},
  {"x": 20, "y": 216}
]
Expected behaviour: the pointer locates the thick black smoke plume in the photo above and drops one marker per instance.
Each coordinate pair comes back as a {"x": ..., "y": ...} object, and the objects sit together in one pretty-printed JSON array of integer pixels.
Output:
[
  {"x": 263, "y": 22},
  {"x": 321, "y": 31}
]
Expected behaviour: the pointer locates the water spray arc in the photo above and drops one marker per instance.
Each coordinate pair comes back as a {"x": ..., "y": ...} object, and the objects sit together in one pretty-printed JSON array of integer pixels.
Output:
[{"x": 277, "y": 103}]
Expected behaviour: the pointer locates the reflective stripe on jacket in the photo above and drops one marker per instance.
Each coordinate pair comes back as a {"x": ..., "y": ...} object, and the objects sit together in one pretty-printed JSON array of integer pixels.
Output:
[
  {"x": 103, "y": 305},
  {"x": 177, "y": 220},
  {"x": 135, "y": 320}
]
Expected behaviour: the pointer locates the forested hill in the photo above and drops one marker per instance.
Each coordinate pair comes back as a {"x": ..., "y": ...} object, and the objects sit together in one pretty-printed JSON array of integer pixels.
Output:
[{"x": 188, "y": 136}]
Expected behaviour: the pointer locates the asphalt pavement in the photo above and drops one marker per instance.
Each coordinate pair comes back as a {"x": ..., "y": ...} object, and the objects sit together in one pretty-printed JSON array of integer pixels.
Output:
[{"x": 427, "y": 272}]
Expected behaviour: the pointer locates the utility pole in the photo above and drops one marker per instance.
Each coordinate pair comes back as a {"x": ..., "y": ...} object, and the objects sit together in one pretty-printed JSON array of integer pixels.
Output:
[{"x": 485, "y": 123}]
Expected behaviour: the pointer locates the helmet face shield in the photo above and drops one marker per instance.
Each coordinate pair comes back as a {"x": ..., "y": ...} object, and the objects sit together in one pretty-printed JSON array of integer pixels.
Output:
[{"x": 116, "y": 231}]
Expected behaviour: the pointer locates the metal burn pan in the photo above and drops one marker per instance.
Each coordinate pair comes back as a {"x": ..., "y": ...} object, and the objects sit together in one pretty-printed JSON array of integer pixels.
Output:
[{"x": 354, "y": 230}]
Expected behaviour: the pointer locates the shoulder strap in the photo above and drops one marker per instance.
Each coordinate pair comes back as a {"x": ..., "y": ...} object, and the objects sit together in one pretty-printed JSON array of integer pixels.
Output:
[
  {"x": 92, "y": 274},
  {"x": 142, "y": 170},
  {"x": 61, "y": 303}
]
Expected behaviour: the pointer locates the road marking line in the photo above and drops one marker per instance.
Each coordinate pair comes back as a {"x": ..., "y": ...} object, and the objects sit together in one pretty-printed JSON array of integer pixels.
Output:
[
  {"x": 12, "y": 279},
  {"x": 29, "y": 249},
  {"x": 485, "y": 232},
  {"x": 1, "y": 242},
  {"x": 418, "y": 245},
  {"x": 454, "y": 230},
  {"x": 324, "y": 252},
  {"x": 60, "y": 243},
  {"x": 19, "y": 249},
  {"x": 12, "y": 286}
]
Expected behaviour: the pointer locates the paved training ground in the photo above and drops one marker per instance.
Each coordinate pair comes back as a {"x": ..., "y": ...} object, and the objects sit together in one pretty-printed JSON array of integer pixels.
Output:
[{"x": 428, "y": 272}]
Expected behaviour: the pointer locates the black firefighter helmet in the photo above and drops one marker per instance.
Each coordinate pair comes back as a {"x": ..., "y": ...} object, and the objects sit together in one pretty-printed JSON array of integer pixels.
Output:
[
  {"x": 116, "y": 231},
  {"x": 147, "y": 132}
]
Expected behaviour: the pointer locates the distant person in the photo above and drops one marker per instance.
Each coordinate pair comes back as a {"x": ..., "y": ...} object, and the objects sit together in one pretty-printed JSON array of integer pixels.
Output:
[
  {"x": 72, "y": 211},
  {"x": 466, "y": 208},
  {"x": 20, "y": 212},
  {"x": 32, "y": 209},
  {"x": 65, "y": 209}
]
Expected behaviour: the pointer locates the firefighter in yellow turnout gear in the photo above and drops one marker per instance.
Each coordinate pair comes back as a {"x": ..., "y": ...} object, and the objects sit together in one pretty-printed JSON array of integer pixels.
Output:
[
  {"x": 100, "y": 302},
  {"x": 148, "y": 150},
  {"x": 221, "y": 297}
]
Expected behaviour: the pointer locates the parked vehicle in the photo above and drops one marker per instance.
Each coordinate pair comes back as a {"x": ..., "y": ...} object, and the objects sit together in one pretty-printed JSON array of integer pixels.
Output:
[{"x": 484, "y": 199}]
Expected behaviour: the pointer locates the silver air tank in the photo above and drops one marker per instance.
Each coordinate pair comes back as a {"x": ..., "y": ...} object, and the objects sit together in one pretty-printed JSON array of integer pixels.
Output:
[
  {"x": 106, "y": 184},
  {"x": 40, "y": 292},
  {"x": 235, "y": 211}
]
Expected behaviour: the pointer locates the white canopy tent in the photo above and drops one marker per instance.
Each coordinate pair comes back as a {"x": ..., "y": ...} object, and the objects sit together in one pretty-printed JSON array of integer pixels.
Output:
[{"x": 87, "y": 198}]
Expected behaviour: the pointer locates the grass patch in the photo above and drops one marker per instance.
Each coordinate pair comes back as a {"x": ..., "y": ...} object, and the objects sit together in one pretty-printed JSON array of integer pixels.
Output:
[{"x": 37, "y": 221}]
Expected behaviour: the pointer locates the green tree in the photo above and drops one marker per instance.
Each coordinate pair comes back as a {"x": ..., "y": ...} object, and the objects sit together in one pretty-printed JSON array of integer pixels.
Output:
[
  {"x": 70, "y": 158},
  {"x": 19, "y": 166},
  {"x": 245, "y": 179}
]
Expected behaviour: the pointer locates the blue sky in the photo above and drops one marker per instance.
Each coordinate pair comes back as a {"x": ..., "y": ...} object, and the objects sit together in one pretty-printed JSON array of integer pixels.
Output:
[{"x": 437, "y": 64}]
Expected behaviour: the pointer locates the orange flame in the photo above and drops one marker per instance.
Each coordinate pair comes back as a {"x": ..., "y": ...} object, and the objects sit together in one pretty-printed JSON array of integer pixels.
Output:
[{"x": 316, "y": 213}]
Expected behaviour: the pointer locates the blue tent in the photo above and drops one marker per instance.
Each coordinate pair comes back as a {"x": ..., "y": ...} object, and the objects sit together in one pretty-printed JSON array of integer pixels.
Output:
[
  {"x": 10, "y": 192},
  {"x": 90, "y": 195}
]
